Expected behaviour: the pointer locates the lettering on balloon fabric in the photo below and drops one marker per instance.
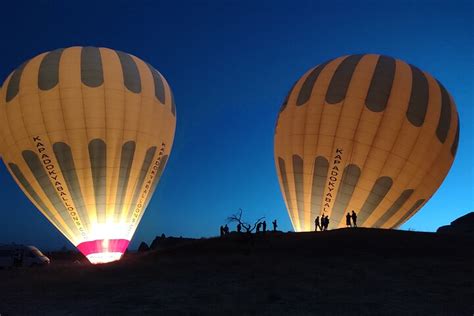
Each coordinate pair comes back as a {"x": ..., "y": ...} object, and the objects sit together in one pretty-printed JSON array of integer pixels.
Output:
[
  {"x": 334, "y": 177},
  {"x": 53, "y": 174},
  {"x": 147, "y": 187}
]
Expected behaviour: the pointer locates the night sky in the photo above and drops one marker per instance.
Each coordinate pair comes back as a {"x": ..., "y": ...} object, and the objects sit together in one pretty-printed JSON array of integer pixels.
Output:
[{"x": 230, "y": 65}]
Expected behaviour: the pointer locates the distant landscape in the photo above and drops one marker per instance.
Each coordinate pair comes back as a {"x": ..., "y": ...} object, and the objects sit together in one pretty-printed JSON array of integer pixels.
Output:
[{"x": 338, "y": 272}]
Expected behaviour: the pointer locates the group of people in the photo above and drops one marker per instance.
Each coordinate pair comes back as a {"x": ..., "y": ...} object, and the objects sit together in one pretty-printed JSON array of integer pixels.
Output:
[
  {"x": 260, "y": 227},
  {"x": 321, "y": 224},
  {"x": 351, "y": 219},
  {"x": 224, "y": 230}
]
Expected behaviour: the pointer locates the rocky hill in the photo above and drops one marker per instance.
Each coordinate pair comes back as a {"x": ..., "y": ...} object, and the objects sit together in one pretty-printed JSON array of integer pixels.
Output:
[{"x": 340, "y": 272}]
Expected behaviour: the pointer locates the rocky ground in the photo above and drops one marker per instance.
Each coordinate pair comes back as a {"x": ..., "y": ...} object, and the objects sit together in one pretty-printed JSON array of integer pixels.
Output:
[{"x": 340, "y": 272}]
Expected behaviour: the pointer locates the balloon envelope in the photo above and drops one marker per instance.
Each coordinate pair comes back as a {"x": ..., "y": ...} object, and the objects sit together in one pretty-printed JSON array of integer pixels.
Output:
[
  {"x": 86, "y": 135},
  {"x": 367, "y": 133}
]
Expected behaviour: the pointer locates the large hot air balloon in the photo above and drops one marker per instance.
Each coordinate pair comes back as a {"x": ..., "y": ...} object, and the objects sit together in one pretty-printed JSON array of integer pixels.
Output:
[
  {"x": 367, "y": 133},
  {"x": 86, "y": 134}
]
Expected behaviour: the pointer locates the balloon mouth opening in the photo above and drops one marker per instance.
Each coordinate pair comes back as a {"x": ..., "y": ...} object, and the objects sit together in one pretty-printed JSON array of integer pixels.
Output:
[{"x": 103, "y": 250}]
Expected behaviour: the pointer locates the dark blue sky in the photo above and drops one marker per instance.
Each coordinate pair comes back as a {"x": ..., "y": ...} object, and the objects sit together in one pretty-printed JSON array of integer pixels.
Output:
[{"x": 230, "y": 64}]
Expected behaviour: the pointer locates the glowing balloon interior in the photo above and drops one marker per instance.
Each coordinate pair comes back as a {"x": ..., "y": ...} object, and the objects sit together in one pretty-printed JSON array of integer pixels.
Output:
[
  {"x": 367, "y": 133},
  {"x": 86, "y": 133}
]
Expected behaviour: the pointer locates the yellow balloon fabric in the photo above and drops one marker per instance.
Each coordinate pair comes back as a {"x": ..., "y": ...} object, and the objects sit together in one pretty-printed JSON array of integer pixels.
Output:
[
  {"x": 367, "y": 133},
  {"x": 86, "y": 135}
]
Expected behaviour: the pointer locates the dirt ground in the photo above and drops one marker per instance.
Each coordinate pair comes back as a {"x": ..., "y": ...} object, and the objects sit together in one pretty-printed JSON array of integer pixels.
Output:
[{"x": 340, "y": 272}]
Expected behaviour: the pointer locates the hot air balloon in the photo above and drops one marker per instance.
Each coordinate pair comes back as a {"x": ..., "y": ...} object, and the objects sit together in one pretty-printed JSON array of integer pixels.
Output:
[
  {"x": 367, "y": 133},
  {"x": 86, "y": 135}
]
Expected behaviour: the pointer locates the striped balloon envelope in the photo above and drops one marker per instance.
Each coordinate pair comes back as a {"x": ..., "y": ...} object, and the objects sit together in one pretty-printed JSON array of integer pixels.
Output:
[
  {"x": 367, "y": 133},
  {"x": 86, "y": 135}
]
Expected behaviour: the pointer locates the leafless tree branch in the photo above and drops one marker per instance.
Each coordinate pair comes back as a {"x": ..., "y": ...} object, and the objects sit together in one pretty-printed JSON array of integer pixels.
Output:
[{"x": 237, "y": 218}]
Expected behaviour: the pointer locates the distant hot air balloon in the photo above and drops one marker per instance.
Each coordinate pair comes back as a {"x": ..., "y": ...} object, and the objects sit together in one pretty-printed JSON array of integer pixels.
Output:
[
  {"x": 86, "y": 134},
  {"x": 367, "y": 133}
]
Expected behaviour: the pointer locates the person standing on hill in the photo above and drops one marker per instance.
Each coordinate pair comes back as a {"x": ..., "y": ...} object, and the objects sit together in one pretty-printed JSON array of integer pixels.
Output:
[
  {"x": 326, "y": 222},
  {"x": 264, "y": 226},
  {"x": 316, "y": 224},
  {"x": 239, "y": 228},
  {"x": 222, "y": 231},
  {"x": 354, "y": 218},
  {"x": 226, "y": 230},
  {"x": 275, "y": 225},
  {"x": 259, "y": 226},
  {"x": 348, "y": 220}
]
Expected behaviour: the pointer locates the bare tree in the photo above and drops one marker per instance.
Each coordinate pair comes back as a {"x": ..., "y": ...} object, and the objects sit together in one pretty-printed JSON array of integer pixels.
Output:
[{"x": 237, "y": 218}]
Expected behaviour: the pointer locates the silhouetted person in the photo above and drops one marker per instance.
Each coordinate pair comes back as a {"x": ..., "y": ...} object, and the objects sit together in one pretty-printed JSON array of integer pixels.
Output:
[
  {"x": 239, "y": 228},
  {"x": 264, "y": 226},
  {"x": 275, "y": 225},
  {"x": 354, "y": 218},
  {"x": 226, "y": 229},
  {"x": 259, "y": 226},
  {"x": 348, "y": 220},
  {"x": 327, "y": 223},
  {"x": 222, "y": 231},
  {"x": 317, "y": 224}
]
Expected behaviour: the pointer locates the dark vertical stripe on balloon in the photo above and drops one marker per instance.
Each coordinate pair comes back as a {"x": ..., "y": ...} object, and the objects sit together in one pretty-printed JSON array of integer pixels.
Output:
[
  {"x": 349, "y": 180},
  {"x": 340, "y": 80},
  {"x": 284, "y": 180},
  {"x": 392, "y": 210},
  {"x": 376, "y": 195},
  {"x": 299, "y": 185},
  {"x": 159, "y": 86},
  {"x": 162, "y": 166},
  {"x": 14, "y": 84},
  {"x": 276, "y": 124},
  {"x": 445, "y": 116},
  {"x": 126, "y": 159},
  {"x": 321, "y": 166},
  {"x": 454, "y": 146},
  {"x": 64, "y": 157},
  {"x": 150, "y": 153},
  {"x": 48, "y": 75},
  {"x": 28, "y": 188},
  {"x": 98, "y": 159},
  {"x": 283, "y": 106},
  {"x": 411, "y": 211},
  {"x": 381, "y": 84},
  {"x": 308, "y": 84},
  {"x": 131, "y": 75},
  {"x": 418, "y": 103},
  {"x": 285, "y": 102},
  {"x": 36, "y": 167},
  {"x": 92, "y": 73},
  {"x": 173, "y": 104}
]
